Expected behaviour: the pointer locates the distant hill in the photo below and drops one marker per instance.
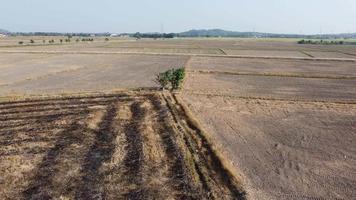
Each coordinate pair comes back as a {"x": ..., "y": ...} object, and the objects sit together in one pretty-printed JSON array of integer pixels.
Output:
[
  {"x": 210, "y": 32},
  {"x": 225, "y": 33}
]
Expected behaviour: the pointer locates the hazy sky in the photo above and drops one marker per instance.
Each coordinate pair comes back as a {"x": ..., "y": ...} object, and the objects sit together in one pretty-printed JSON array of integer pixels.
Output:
[{"x": 276, "y": 16}]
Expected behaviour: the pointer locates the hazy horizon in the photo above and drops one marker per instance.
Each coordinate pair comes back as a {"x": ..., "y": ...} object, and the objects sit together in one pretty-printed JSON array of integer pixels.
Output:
[{"x": 275, "y": 16}]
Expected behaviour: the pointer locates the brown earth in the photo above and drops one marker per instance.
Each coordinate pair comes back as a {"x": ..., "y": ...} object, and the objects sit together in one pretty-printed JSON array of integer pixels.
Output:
[
  {"x": 284, "y": 149},
  {"x": 287, "y": 125},
  {"x": 58, "y": 73},
  {"x": 214, "y": 46},
  {"x": 108, "y": 146},
  {"x": 283, "y": 127},
  {"x": 301, "y": 68},
  {"x": 272, "y": 87}
]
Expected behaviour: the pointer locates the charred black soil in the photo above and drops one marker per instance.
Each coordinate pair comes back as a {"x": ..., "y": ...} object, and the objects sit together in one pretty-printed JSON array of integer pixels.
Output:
[{"x": 119, "y": 146}]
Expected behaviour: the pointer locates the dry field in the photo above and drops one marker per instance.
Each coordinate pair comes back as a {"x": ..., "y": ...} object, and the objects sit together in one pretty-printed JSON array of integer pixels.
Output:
[
  {"x": 280, "y": 67},
  {"x": 269, "y": 53},
  {"x": 66, "y": 73},
  {"x": 284, "y": 150},
  {"x": 223, "y": 47},
  {"x": 273, "y": 87},
  {"x": 270, "y": 118},
  {"x": 287, "y": 125},
  {"x": 113, "y": 146}
]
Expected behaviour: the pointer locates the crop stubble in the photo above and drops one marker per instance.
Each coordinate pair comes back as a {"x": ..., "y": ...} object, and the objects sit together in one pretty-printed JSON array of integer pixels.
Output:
[{"x": 126, "y": 145}]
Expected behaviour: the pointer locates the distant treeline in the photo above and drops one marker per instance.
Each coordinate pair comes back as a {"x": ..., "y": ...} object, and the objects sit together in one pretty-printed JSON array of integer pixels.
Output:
[
  {"x": 60, "y": 34},
  {"x": 224, "y": 33},
  {"x": 197, "y": 33},
  {"x": 153, "y": 35},
  {"x": 325, "y": 42}
]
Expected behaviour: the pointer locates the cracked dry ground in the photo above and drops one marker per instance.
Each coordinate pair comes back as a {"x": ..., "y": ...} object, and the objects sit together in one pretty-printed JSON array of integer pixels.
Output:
[{"x": 117, "y": 146}]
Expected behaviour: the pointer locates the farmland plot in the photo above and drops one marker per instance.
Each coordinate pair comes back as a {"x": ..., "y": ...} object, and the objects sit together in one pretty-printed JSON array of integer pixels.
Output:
[
  {"x": 285, "y": 150},
  {"x": 66, "y": 73},
  {"x": 273, "y": 87},
  {"x": 107, "y": 146},
  {"x": 301, "y": 68}
]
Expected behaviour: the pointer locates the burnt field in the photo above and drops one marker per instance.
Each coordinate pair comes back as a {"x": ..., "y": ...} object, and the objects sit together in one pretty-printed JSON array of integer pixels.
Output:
[
  {"x": 112, "y": 146},
  {"x": 257, "y": 119}
]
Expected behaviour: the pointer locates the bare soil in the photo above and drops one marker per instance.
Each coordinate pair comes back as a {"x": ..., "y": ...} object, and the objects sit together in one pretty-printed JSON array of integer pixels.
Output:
[
  {"x": 274, "y": 67},
  {"x": 213, "y": 46},
  {"x": 286, "y": 125},
  {"x": 284, "y": 149},
  {"x": 271, "y": 53},
  {"x": 112, "y": 146},
  {"x": 272, "y": 87},
  {"x": 58, "y": 73},
  {"x": 277, "y": 128}
]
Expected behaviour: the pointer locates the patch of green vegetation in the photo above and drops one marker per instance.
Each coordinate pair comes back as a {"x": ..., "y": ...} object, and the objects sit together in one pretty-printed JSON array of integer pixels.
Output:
[
  {"x": 324, "y": 42},
  {"x": 87, "y": 39},
  {"x": 173, "y": 78}
]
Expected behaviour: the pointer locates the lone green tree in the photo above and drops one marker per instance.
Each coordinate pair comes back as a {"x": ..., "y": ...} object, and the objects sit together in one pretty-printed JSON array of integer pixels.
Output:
[
  {"x": 177, "y": 78},
  {"x": 172, "y": 77},
  {"x": 163, "y": 79}
]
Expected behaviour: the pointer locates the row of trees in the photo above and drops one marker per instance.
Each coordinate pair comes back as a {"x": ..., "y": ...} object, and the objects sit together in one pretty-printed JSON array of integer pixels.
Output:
[
  {"x": 154, "y": 35},
  {"x": 323, "y": 42},
  {"x": 60, "y": 34},
  {"x": 64, "y": 40}
]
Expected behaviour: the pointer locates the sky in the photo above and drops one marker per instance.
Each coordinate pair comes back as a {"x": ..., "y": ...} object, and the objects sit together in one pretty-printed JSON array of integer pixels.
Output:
[{"x": 118, "y": 16}]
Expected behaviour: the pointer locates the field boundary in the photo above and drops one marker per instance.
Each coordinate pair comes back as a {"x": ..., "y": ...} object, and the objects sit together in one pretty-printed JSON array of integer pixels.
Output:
[
  {"x": 231, "y": 177},
  {"x": 351, "y": 102},
  {"x": 181, "y": 54},
  {"x": 293, "y": 75},
  {"x": 307, "y": 54},
  {"x": 73, "y": 95}
]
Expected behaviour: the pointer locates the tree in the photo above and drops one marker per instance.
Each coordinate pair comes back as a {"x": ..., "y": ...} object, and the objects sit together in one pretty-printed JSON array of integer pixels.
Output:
[
  {"x": 60, "y": 40},
  {"x": 32, "y": 41},
  {"x": 177, "y": 78},
  {"x": 137, "y": 35},
  {"x": 163, "y": 79},
  {"x": 174, "y": 77}
]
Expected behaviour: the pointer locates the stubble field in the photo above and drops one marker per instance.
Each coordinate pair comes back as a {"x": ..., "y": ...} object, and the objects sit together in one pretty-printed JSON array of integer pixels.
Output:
[{"x": 267, "y": 117}]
